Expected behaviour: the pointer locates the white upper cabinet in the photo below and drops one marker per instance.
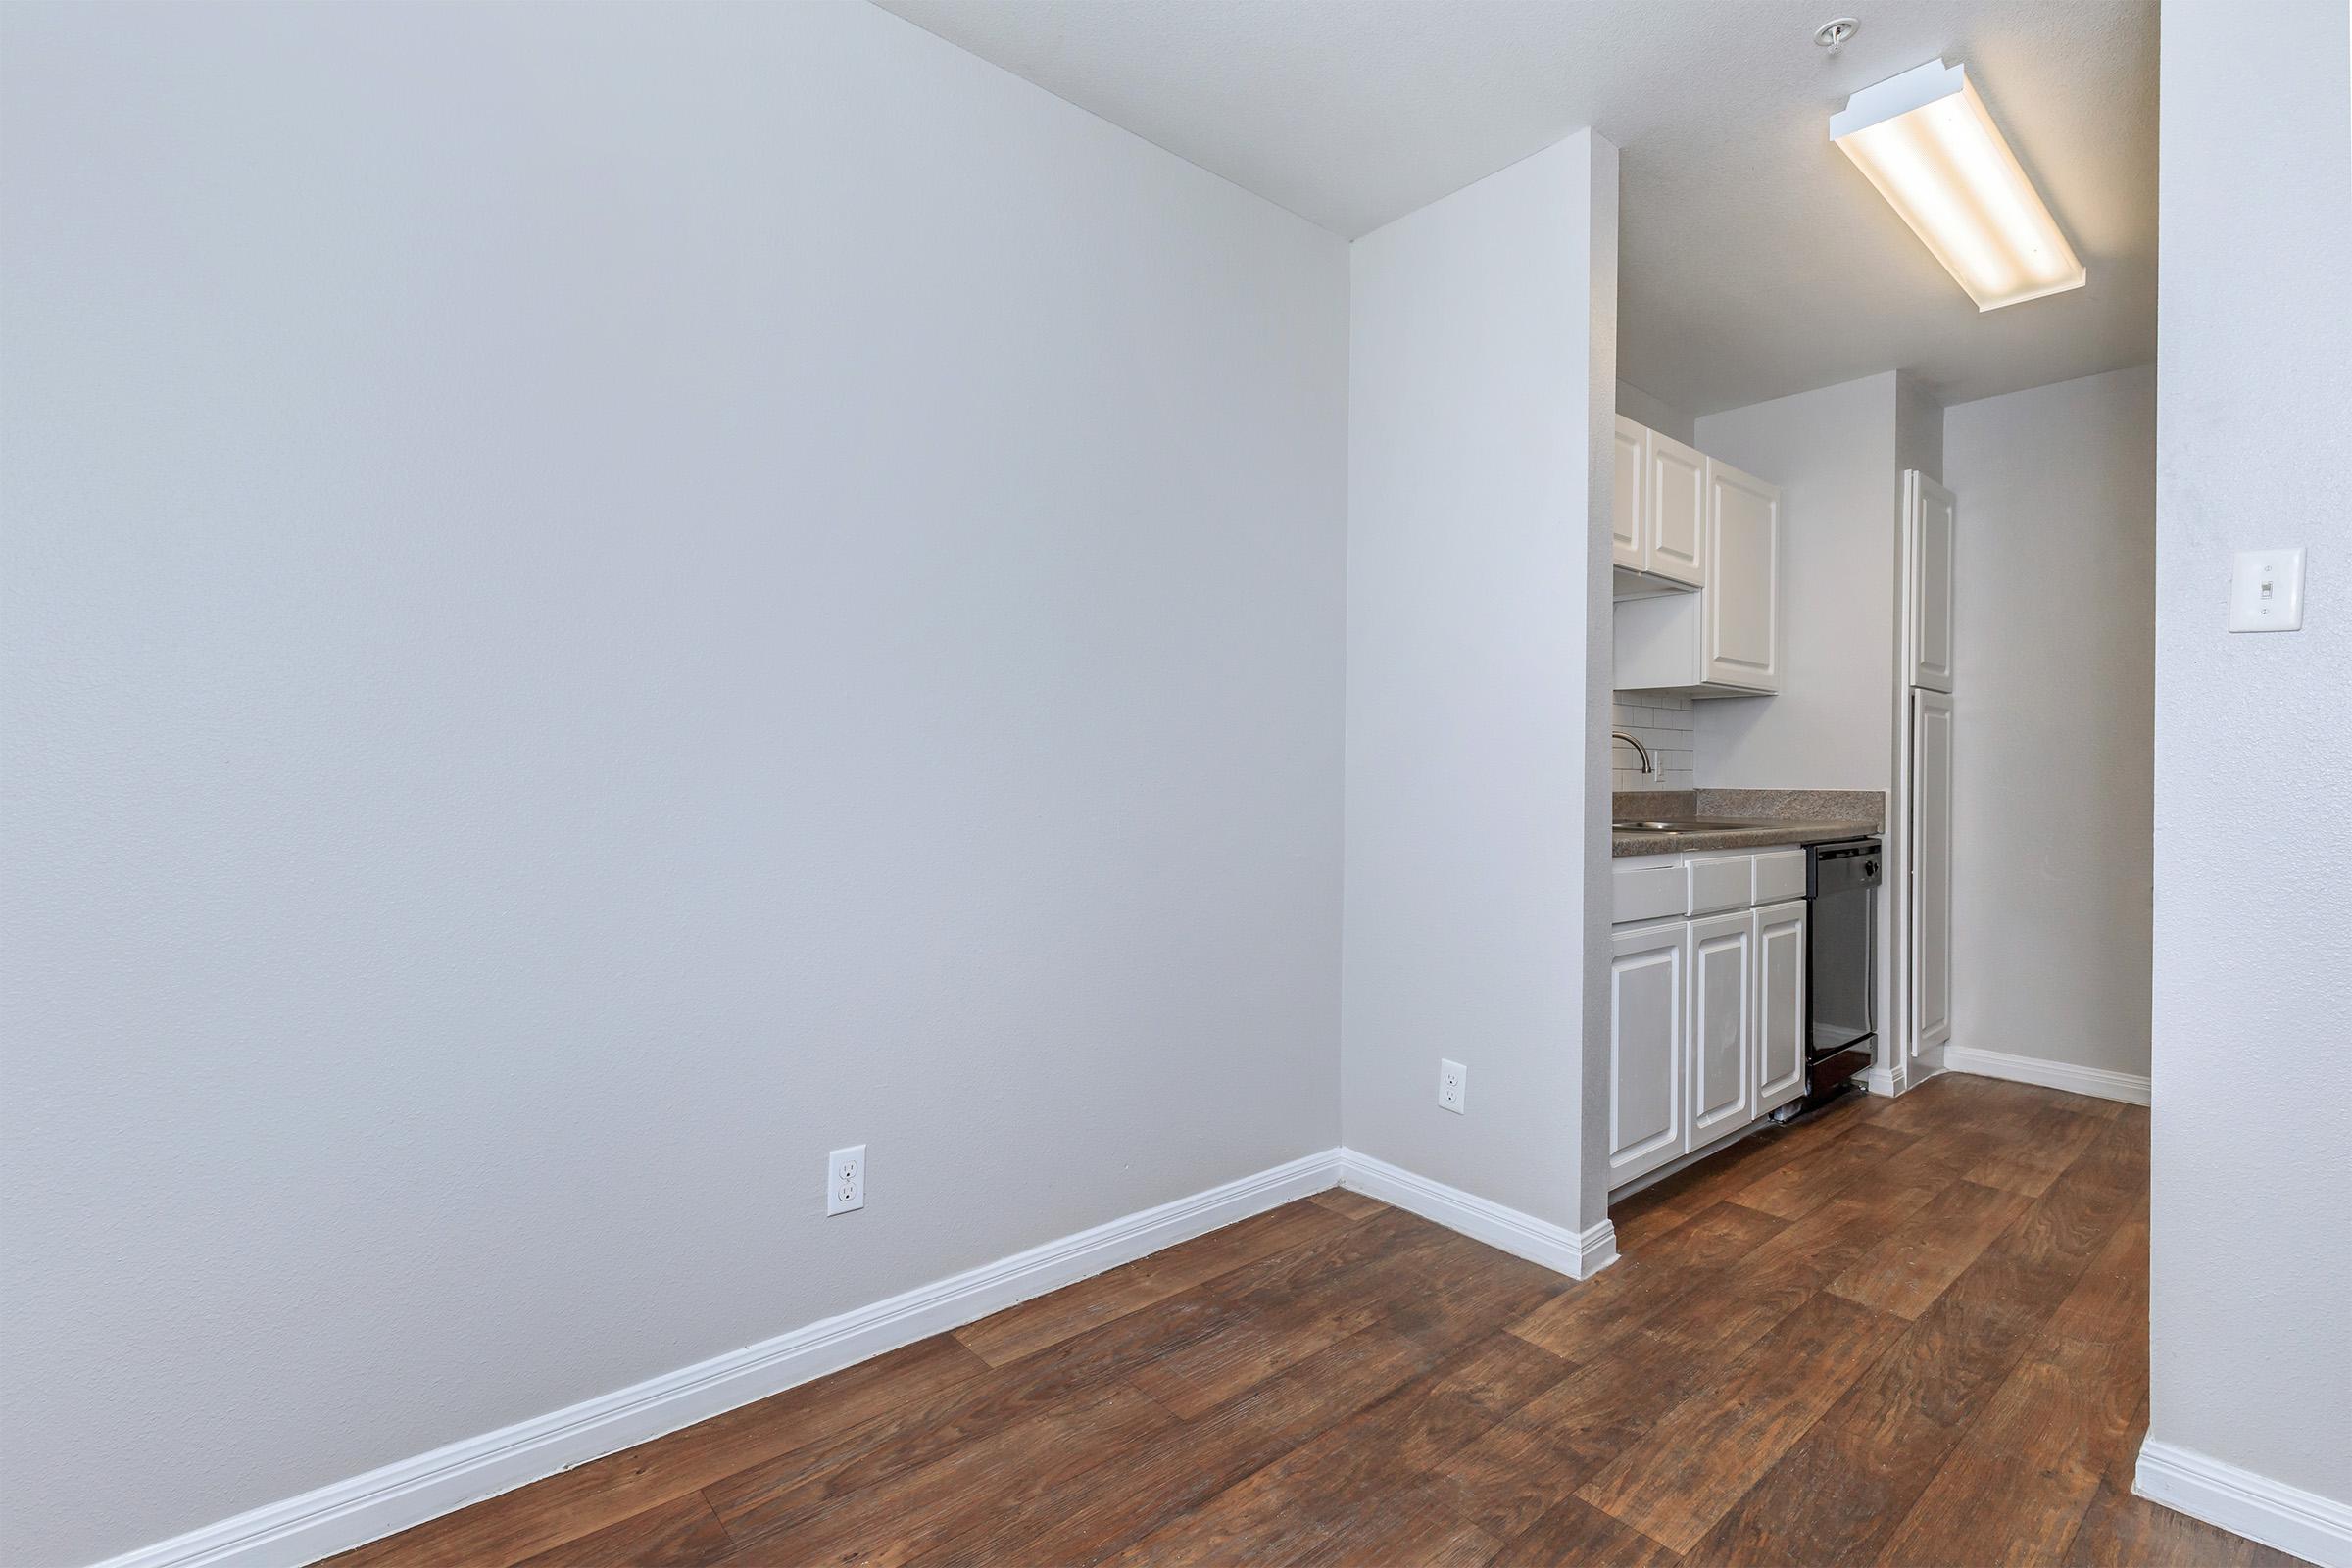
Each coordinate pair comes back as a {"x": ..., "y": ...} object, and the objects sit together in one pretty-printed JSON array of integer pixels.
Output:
[
  {"x": 1658, "y": 517},
  {"x": 1677, "y": 500},
  {"x": 1929, "y": 513},
  {"x": 1628, "y": 514},
  {"x": 1743, "y": 608},
  {"x": 1707, "y": 618}
]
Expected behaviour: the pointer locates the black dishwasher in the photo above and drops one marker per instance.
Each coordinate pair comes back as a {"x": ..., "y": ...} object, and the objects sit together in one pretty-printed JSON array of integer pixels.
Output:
[{"x": 1841, "y": 967}]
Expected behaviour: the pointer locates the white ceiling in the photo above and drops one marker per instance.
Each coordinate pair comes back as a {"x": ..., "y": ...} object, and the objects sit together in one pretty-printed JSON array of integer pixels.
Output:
[{"x": 1754, "y": 260}]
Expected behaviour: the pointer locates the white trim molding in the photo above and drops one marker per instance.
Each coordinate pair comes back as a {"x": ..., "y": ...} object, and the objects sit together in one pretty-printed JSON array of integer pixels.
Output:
[
  {"x": 1577, "y": 1254},
  {"x": 351, "y": 1513},
  {"x": 2314, "y": 1528},
  {"x": 2097, "y": 1082}
]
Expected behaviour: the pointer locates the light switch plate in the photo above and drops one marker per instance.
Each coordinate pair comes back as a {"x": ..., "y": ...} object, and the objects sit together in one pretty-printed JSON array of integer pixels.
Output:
[{"x": 2266, "y": 591}]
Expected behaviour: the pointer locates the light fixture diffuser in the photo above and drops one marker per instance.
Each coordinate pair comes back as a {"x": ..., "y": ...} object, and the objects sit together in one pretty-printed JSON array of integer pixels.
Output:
[{"x": 1926, "y": 141}]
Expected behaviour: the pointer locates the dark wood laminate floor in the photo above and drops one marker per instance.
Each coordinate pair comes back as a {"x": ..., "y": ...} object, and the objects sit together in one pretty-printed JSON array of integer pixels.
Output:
[{"x": 1908, "y": 1332}]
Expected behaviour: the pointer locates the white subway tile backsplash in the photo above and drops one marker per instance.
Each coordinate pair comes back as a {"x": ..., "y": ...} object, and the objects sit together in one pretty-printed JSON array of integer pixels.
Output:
[{"x": 1665, "y": 725}]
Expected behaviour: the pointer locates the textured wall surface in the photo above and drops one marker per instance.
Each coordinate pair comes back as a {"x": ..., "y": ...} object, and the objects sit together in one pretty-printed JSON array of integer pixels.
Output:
[
  {"x": 1755, "y": 265},
  {"x": 1832, "y": 454},
  {"x": 1919, "y": 429},
  {"x": 1477, "y": 678},
  {"x": 1643, "y": 409},
  {"x": 2251, "y": 1352},
  {"x": 2054, "y": 593},
  {"x": 599, "y": 601}
]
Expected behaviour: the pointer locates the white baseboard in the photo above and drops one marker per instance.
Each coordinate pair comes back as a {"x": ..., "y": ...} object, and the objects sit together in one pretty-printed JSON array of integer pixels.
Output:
[
  {"x": 2096, "y": 1082},
  {"x": 2314, "y": 1528},
  {"x": 351, "y": 1513},
  {"x": 1905, "y": 1075},
  {"x": 1578, "y": 1255}
]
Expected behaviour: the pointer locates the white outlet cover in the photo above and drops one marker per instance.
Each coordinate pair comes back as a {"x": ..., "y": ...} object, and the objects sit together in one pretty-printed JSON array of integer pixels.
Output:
[
  {"x": 845, "y": 1178},
  {"x": 2266, "y": 591},
  {"x": 1453, "y": 1086}
]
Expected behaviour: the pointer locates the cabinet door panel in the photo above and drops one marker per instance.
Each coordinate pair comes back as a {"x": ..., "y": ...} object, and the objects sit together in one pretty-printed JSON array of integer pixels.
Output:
[
  {"x": 1677, "y": 535},
  {"x": 1723, "y": 1005},
  {"x": 1932, "y": 515},
  {"x": 1646, "y": 1012},
  {"x": 1930, "y": 870},
  {"x": 1742, "y": 633},
  {"x": 1779, "y": 1003},
  {"x": 1627, "y": 538}
]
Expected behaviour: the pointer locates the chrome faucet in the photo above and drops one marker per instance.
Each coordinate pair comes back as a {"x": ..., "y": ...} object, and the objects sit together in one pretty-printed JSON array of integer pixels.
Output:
[{"x": 1647, "y": 767}]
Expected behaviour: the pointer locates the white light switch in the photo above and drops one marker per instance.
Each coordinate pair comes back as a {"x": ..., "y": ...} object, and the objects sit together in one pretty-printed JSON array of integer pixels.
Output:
[{"x": 2266, "y": 593}]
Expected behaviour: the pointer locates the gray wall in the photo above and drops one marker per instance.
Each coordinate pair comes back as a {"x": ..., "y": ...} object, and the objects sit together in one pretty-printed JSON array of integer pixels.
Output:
[
  {"x": 1919, "y": 435},
  {"x": 598, "y": 602},
  {"x": 1482, "y": 360},
  {"x": 1836, "y": 453},
  {"x": 1833, "y": 453},
  {"x": 2251, "y": 1358},
  {"x": 1643, "y": 409},
  {"x": 2054, "y": 588}
]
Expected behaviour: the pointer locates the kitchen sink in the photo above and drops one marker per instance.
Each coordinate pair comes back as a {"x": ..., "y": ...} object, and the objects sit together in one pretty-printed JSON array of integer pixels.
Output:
[{"x": 1687, "y": 824}]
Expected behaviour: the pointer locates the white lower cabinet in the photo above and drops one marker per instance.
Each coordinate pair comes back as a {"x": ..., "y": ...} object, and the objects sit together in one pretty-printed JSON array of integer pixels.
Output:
[
  {"x": 1779, "y": 1003},
  {"x": 1706, "y": 1015},
  {"x": 1722, "y": 1033},
  {"x": 1648, "y": 967}
]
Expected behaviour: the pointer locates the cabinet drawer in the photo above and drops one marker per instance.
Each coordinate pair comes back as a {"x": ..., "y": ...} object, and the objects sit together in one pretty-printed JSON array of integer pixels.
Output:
[
  {"x": 1647, "y": 893},
  {"x": 1723, "y": 882},
  {"x": 1780, "y": 875}
]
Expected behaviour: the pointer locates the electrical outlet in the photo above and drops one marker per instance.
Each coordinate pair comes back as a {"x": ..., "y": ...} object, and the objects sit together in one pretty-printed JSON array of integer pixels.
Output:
[
  {"x": 1453, "y": 1086},
  {"x": 845, "y": 1180}
]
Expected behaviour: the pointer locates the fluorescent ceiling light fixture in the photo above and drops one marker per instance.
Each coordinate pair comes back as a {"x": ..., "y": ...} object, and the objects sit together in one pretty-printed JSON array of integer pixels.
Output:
[{"x": 1926, "y": 141}]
